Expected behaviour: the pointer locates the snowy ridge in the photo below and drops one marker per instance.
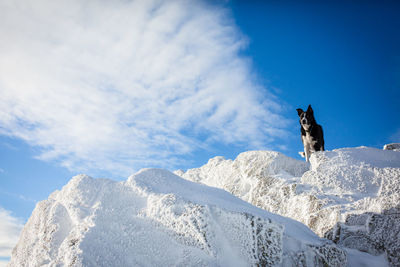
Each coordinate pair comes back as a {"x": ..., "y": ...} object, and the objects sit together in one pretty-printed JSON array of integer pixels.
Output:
[
  {"x": 156, "y": 218},
  {"x": 339, "y": 185}
]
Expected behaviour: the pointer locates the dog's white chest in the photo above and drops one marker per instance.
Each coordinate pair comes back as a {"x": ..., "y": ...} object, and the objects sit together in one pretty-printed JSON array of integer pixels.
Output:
[{"x": 309, "y": 142}]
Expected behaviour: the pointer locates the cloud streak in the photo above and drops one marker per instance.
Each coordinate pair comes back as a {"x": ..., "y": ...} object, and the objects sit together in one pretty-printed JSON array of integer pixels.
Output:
[
  {"x": 120, "y": 85},
  {"x": 10, "y": 228}
]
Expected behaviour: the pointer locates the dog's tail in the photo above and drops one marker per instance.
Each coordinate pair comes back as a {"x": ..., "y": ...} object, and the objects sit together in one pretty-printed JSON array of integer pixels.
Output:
[{"x": 301, "y": 153}]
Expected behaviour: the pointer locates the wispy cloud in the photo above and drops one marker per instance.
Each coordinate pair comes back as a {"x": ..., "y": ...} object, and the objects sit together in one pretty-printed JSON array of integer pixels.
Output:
[
  {"x": 118, "y": 85},
  {"x": 10, "y": 228}
]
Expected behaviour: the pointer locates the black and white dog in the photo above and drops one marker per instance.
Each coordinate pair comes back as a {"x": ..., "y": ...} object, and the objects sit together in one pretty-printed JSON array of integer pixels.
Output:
[{"x": 311, "y": 133}]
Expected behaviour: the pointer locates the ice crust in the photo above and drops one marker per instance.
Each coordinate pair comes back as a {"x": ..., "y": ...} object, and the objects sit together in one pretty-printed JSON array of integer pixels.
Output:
[
  {"x": 337, "y": 185},
  {"x": 156, "y": 218}
]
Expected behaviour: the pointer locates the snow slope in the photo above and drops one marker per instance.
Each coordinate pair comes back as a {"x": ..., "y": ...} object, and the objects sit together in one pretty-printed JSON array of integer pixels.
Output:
[
  {"x": 350, "y": 195},
  {"x": 156, "y": 218}
]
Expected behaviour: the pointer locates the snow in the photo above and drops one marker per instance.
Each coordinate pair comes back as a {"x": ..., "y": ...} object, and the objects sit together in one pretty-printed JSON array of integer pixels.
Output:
[
  {"x": 392, "y": 146},
  {"x": 337, "y": 184},
  {"x": 357, "y": 258},
  {"x": 156, "y": 218},
  {"x": 243, "y": 212}
]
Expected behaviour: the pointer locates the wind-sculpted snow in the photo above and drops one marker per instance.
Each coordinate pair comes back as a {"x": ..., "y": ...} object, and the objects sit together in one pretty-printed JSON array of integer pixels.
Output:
[
  {"x": 156, "y": 218},
  {"x": 392, "y": 146},
  {"x": 371, "y": 232},
  {"x": 337, "y": 184}
]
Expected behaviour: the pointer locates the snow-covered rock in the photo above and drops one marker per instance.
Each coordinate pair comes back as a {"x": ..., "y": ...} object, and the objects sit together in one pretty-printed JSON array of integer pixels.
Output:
[
  {"x": 338, "y": 184},
  {"x": 156, "y": 218},
  {"x": 371, "y": 232},
  {"x": 392, "y": 146}
]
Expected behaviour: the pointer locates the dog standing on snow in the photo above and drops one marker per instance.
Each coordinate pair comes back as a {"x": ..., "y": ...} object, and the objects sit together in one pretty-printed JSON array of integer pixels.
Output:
[{"x": 311, "y": 133}]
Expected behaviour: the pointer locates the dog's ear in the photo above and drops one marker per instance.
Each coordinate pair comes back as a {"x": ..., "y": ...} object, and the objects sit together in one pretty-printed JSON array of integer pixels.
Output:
[
  {"x": 309, "y": 109},
  {"x": 299, "y": 111}
]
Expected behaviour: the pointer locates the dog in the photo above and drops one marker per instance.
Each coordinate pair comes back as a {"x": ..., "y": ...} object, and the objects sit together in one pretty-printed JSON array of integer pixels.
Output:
[{"x": 312, "y": 135}]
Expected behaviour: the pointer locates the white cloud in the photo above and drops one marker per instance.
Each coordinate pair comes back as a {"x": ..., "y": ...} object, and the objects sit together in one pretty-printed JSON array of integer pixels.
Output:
[
  {"x": 119, "y": 85},
  {"x": 10, "y": 228}
]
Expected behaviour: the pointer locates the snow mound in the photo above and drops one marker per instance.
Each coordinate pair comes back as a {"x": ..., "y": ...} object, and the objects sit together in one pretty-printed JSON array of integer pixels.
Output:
[
  {"x": 245, "y": 175},
  {"x": 392, "y": 146},
  {"x": 337, "y": 184},
  {"x": 156, "y": 218},
  {"x": 359, "y": 172}
]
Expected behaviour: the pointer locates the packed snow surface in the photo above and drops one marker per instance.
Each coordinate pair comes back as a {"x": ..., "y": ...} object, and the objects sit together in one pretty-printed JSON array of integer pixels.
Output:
[
  {"x": 156, "y": 218},
  {"x": 350, "y": 195}
]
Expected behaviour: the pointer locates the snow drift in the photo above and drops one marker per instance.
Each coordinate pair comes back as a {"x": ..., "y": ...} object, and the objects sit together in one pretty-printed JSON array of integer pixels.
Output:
[
  {"x": 156, "y": 218},
  {"x": 350, "y": 195}
]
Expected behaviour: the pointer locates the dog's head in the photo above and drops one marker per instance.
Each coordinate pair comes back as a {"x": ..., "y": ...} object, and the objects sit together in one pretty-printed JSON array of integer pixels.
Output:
[{"x": 306, "y": 117}]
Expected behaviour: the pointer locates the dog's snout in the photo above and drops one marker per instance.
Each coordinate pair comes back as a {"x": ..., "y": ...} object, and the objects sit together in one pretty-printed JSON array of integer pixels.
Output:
[{"x": 304, "y": 121}]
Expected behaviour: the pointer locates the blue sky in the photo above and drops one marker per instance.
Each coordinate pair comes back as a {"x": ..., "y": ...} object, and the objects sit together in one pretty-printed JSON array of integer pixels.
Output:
[
  {"x": 342, "y": 57},
  {"x": 107, "y": 89}
]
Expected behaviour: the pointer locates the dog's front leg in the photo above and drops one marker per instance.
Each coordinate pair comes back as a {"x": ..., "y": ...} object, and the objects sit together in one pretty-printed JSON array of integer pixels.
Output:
[{"x": 307, "y": 153}]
